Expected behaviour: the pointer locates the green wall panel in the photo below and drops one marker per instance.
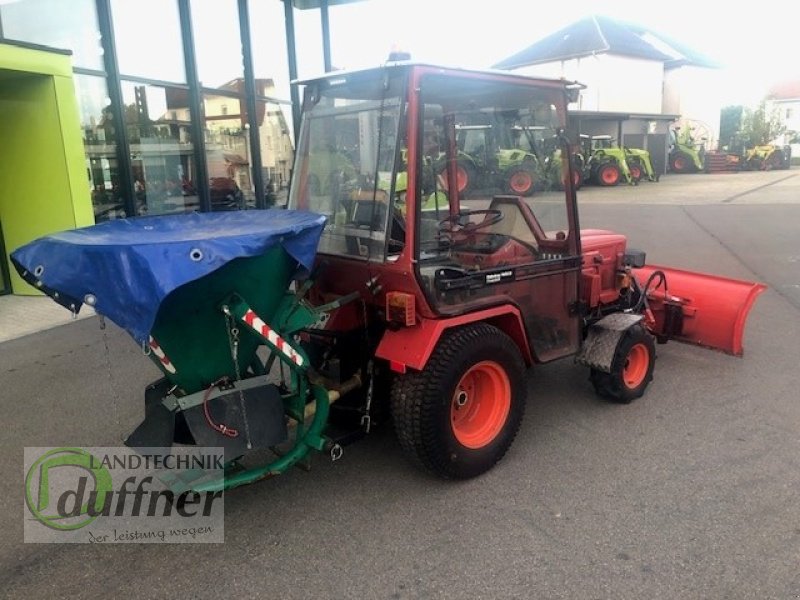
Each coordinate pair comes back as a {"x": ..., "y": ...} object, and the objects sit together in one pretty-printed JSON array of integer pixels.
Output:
[{"x": 43, "y": 183}]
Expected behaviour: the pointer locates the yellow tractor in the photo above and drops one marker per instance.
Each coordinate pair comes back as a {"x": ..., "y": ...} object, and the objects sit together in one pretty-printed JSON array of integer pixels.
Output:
[{"x": 767, "y": 157}]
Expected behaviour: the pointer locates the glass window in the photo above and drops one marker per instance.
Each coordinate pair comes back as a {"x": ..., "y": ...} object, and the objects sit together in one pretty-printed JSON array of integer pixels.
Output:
[
  {"x": 69, "y": 25},
  {"x": 227, "y": 139},
  {"x": 158, "y": 122},
  {"x": 485, "y": 150},
  {"x": 308, "y": 40},
  {"x": 100, "y": 145},
  {"x": 503, "y": 143},
  {"x": 270, "y": 58},
  {"x": 268, "y": 42},
  {"x": 277, "y": 153},
  {"x": 346, "y": 166},
  {"x": 217, "y": 43},
  {"x": 148, "y": 39}
]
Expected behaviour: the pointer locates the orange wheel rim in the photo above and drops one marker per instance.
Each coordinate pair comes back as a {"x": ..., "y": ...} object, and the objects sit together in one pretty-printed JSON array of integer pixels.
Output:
[
  {"x": 521, "y": 182},
  {"x": 679, "y": 163},
  {"x": 480, "y": 404},
  {"x": 462, "y": 179},
  {"x": 636, "y": 365},
  {"x": 609, "y": 176},
  {"x": 636, "y": 173}
]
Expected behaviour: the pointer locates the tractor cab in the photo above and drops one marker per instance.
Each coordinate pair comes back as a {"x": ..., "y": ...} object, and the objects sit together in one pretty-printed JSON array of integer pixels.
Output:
[
  {"x": 602, "y": 142},
  {"x": 401, "y": 198}
]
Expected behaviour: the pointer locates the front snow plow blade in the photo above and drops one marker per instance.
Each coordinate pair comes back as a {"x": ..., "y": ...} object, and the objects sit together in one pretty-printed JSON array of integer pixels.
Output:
[{"x": 696, "y": 308}]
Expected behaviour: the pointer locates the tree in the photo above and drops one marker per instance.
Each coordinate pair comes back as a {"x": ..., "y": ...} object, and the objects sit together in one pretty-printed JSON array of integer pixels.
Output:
[
  {"x": 761, "y": 125},
  {"x": 730, "y": 123}
]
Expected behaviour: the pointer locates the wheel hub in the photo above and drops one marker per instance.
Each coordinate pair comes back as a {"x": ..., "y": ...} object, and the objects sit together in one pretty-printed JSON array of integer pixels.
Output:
[{"x": 480, "y": 405}]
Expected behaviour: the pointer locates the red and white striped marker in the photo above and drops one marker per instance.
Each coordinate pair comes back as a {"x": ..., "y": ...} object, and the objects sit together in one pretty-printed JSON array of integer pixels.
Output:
[
  {"x": 254, "y": 321},
  {"x": 165, "y": 362}
]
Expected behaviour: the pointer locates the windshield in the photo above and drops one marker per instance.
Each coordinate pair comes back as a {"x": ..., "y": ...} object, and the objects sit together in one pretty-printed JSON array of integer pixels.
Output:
[
  {"x": 494, "y": 219},
  {"x": 346, "y": 160},
  {"x": 488, "y": 141}
]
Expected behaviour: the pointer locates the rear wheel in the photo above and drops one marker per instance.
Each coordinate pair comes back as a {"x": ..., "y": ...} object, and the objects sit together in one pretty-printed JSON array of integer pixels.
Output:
[
  {"x": 608, "y": 174},
  {"x": 519, "y": 181},
  {"x": 775, "y": 160},
  {"x": 459, "y": 415},
  {"x": 465, "y": 177},
  {"x": 631, "y": 368}
]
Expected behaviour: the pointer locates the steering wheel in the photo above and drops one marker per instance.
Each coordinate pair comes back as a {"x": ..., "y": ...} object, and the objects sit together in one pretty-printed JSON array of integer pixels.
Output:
[{"x": 454, "y": 223}]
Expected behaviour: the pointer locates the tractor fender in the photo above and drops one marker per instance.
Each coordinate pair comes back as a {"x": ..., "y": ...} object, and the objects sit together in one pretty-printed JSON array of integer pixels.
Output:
[
  {"x": 411, "y": 347},
  {"x": 602, "y": 339}
]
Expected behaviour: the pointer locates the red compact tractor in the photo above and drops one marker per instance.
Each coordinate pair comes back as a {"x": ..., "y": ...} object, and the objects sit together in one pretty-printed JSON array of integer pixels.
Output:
[
  {"x": 460, "y": 295},
  {"x": 413, "y": 299}
]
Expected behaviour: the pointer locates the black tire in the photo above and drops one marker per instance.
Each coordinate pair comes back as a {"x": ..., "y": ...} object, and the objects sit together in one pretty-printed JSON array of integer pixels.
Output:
[
  {"x": 519, "y": 181},
  {"x": 637, "y": 170},
  {"x": 469, "y": 176},
  {"x": 608, "y": 174},
  {"x": 578, "y": 167},
  {"x": 424, "y": 403},
  {"x": 621, "y": 385},
  {"x": 755, "y": 163},
  {"x": 680, "y": 162},
  {"x": 775, "y": 160}
]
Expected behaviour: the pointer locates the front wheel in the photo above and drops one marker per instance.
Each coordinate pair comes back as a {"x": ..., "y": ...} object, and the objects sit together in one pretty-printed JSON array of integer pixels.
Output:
[
  {"x": 680, "y": 162},
  {"x": 637, "y": 172},
  {"x": 459, "y": 415},
  {"x": 519, "y": 181},
  {"x": 631, "y": 368}
]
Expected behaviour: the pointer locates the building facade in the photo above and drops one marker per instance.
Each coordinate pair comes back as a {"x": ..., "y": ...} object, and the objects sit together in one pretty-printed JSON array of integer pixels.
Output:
[
  {"x": 183, "y": 104},
  {"x": 637, "y": 82},
  {"x": 784, "y": 99}
]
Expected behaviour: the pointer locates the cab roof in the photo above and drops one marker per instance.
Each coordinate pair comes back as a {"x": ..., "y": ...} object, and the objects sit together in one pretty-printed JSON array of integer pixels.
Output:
[{"x": 408, "y": 65}]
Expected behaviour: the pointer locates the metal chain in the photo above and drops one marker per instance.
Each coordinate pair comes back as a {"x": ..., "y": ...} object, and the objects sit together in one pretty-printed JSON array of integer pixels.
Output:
[
  {"x": 366, "y": 419},
  {"x": 233, "y": 342},
  {"x": 115, "y": 399}
]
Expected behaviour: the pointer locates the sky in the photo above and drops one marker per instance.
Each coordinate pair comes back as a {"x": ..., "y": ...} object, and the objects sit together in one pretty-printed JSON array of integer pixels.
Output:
[{"x": 756, "y": 48}]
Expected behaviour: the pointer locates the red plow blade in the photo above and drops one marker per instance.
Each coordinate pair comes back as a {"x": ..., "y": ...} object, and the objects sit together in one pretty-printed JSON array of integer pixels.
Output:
[{"x": 696, "y": 308}]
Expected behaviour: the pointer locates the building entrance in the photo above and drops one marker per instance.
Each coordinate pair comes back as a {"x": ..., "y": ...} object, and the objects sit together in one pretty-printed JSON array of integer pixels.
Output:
[{"x": 43, "y": 178}]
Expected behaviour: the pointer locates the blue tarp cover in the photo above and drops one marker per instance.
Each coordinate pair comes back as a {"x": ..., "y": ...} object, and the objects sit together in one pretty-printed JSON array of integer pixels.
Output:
[{"x": 130, "y": 265}]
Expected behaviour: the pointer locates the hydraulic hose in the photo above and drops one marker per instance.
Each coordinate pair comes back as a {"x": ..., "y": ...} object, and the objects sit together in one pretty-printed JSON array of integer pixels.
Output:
[{"x": 643, "y": 295}]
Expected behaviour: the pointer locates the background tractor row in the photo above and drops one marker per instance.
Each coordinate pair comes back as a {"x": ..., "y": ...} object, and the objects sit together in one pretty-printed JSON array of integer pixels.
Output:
[{"x": 688, "y": 153}]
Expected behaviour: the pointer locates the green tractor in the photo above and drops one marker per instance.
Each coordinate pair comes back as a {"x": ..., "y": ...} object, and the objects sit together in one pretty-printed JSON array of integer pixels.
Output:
[
  {"x": 542, "y": 144},
  {"x": 640, "y": 165},
  {"x": 486, "y": 158},
  {"x": 686, "y": 154},
  {"x": 606, "y": 163}
]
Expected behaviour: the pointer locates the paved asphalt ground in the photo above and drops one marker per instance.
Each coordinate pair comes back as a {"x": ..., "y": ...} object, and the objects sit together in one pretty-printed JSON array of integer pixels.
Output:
[{"x": 690, "y": 492}]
